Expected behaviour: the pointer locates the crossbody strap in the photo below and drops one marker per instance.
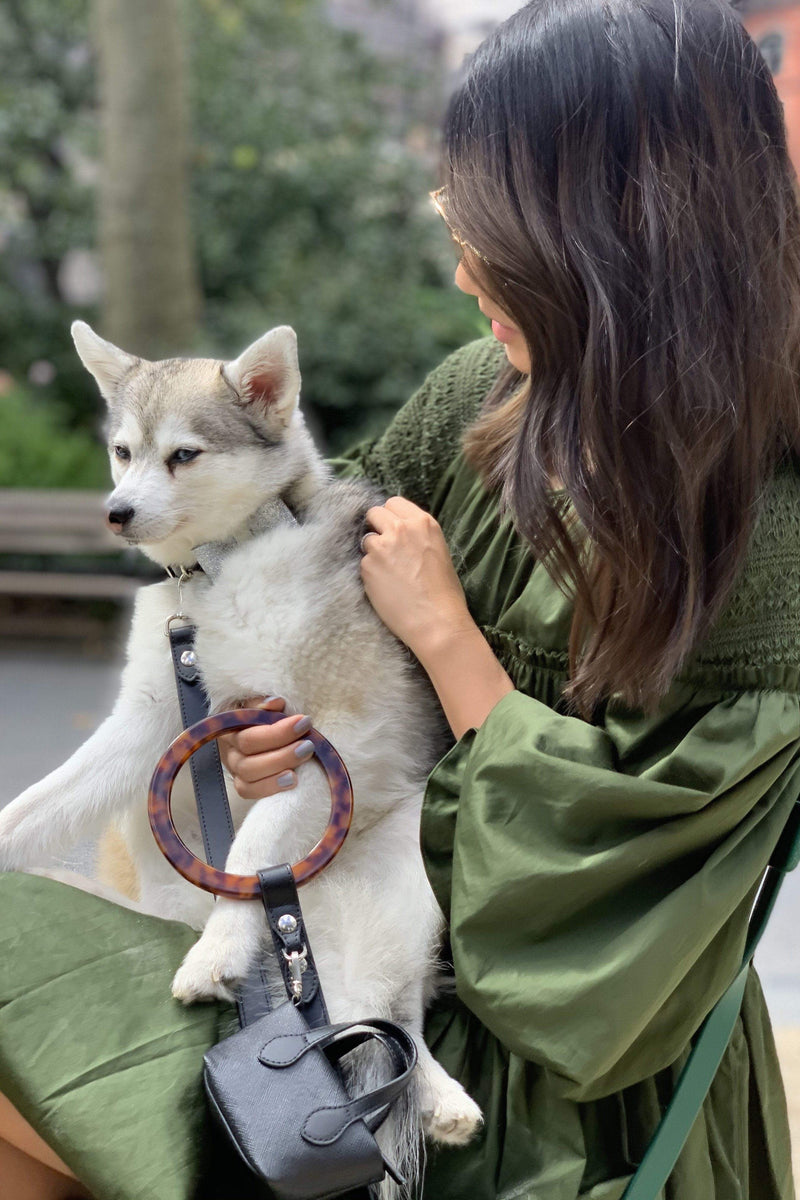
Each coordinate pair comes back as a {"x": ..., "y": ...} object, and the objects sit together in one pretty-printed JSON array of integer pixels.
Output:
[{"x": 715, "y": 1033}]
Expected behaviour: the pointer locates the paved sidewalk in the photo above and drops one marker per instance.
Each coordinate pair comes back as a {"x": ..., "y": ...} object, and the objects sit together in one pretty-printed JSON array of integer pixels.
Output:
[
  {"x": 778, "y": 964},
  {"x": 788, "y": 1043}
]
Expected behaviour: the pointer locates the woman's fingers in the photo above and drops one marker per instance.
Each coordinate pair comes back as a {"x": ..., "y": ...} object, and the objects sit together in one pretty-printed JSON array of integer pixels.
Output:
[
  {"x": 384, "y": 518},
  {"x": 380, "y": 518},
  {"x": 270, "y": 785},
  {"x": 397, "y": 516},
  {"x": 264, "y": 737},
  {"x": 402, "y": 507},
  {"x": 262, "y": 759},
  {"x": 251, "y": 768}
]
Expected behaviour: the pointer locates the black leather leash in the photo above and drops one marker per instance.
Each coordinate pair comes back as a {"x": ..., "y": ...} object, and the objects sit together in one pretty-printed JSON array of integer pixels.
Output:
[
  {"x": 281, "y": 903},
  {"x": 211, "y": 797},
  {"x": 292, "y": 947},
  {"x": 216, "y": 824}
]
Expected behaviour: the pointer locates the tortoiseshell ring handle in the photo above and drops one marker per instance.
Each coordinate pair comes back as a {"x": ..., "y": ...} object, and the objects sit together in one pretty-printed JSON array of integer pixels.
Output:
[{"x": 222, "y": 883}]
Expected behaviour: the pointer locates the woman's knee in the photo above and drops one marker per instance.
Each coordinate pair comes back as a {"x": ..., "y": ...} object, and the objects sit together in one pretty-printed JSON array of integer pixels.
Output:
[
  {"x": 17, "y": 1132},
  {"x": 27, "y": 1178}
]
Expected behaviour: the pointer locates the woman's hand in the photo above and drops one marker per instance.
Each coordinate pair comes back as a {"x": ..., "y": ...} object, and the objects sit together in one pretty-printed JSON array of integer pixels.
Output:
[
  {"x": 411, "y": 583},
  {"x": 262, "y": 759},
  {"x": 409, "y": 576}
]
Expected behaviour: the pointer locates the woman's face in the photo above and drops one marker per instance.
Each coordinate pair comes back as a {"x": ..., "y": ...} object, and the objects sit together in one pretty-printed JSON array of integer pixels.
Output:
[{"x": 502, "y": 327}]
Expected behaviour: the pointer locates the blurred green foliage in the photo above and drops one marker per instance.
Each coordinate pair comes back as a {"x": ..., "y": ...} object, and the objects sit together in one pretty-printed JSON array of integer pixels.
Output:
[
  {"x": 308, "y": 206},
  {"x": 327, "y": 224},
  {"x": 38, "y": 449},
  {"x": 47, "y": 146}
]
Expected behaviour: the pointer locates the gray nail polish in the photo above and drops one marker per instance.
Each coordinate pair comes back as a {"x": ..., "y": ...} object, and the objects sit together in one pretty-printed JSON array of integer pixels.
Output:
[
  {"x": 286, "y": 780},
  {"x": 304, "y": 749},
  {"x": 304, "y": 725}
]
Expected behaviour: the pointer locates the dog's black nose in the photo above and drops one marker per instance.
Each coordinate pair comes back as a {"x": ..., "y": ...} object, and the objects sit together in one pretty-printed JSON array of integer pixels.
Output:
[{"x": 118, "y": 518}]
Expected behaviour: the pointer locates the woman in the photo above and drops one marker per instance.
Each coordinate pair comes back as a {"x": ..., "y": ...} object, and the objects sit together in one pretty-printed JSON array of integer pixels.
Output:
[{"x": 607, "y": 600}]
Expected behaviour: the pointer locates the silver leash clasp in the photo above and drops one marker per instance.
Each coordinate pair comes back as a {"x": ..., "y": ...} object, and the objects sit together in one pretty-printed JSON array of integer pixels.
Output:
[
  {"x": 180, "y": 615},
  {"x": 298, "y": 963}
]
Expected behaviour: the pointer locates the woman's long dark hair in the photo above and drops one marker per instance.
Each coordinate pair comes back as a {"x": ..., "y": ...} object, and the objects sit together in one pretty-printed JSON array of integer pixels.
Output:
[{"x": 619, "y": 171}]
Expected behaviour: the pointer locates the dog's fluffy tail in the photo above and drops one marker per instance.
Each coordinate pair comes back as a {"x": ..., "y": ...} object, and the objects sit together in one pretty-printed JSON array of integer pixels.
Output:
[
  {"x": 400, "y": 1135},
  {"x": 400, "y": 1139}
]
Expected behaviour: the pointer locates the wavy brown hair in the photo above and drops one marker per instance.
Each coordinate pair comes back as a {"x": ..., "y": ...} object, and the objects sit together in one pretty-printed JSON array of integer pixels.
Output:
[{"x": 619, "y": 172}]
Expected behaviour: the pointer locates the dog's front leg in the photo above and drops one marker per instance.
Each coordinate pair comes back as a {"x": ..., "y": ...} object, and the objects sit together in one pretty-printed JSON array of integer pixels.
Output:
[
  {"x": 236, "y": 934},
  {"x": 107, "y": 774}
]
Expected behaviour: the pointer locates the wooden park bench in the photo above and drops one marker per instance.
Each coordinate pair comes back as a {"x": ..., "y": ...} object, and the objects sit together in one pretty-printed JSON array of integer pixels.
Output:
[{"x": 56, "y": 543}]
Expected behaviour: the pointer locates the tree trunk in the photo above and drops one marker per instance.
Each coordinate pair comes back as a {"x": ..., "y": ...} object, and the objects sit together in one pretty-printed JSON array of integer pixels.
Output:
[{"x": 151, "y": 299}]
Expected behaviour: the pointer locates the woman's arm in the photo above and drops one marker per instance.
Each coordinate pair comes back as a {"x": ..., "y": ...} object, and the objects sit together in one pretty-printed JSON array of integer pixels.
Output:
[{"x": 468, "y": 679}]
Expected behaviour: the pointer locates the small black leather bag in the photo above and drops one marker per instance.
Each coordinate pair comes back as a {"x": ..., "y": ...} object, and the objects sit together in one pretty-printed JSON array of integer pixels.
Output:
[{"x": 285, "y": 1110}]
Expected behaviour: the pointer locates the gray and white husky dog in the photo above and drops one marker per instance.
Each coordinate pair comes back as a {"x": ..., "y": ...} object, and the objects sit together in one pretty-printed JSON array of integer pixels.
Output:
[{"x": 197, "y": 448}]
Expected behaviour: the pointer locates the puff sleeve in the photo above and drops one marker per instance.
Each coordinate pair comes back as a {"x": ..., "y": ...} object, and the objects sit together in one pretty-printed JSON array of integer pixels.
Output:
[{"x": 602, "y": 875}]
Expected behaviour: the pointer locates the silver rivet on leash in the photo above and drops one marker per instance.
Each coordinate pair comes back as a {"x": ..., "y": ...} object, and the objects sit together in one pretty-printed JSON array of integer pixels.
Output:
[
  {"x": 286, "y": 923},
  {"x": 189, "y": 658}
]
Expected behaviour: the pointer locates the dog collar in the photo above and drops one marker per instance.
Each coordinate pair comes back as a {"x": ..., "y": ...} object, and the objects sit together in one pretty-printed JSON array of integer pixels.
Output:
[{"x": 210, "y": 556}]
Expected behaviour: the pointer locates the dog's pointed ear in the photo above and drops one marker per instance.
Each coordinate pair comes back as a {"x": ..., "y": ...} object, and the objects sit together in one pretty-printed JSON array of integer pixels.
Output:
[
  {"x": 266, "y": 376},
  {"x": 102, "y": 359}
]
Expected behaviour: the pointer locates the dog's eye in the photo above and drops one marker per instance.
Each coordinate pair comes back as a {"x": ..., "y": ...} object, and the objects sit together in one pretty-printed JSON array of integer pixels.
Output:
[
  {"x": 123, "y": 453},
  {"x": 183, "y": 456}
]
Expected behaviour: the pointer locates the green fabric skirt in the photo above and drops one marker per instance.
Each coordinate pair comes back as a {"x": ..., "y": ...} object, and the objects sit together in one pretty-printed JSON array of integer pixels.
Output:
[
  {"x": 106, "y": 1066},
  {"x": 97, "y": 1055}
]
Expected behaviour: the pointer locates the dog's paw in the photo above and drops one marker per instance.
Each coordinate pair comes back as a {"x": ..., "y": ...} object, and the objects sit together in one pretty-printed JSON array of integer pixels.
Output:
[
  {"x": 449, "y": 1115},
  {"x": 210, "y": 971}
]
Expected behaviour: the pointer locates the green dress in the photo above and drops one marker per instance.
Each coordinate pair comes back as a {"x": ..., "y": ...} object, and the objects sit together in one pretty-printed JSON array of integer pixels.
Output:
[{"x": 597, "y": 878}]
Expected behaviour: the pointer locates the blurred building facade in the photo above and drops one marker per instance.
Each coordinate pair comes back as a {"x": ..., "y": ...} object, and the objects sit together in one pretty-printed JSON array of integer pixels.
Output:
[
  {"x": 450, "y": 30},
  {"x": 774, "y": 25},
  {"x": 463, "y": 24},
  {"x": 395, "y": 28},
  {"x": 447, "y": 29}
]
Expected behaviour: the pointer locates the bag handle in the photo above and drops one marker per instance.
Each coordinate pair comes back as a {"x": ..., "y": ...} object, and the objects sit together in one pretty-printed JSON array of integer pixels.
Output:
[
  {"x": 286, "y": 1048},
  {"x": 715, "y": 1033}
]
